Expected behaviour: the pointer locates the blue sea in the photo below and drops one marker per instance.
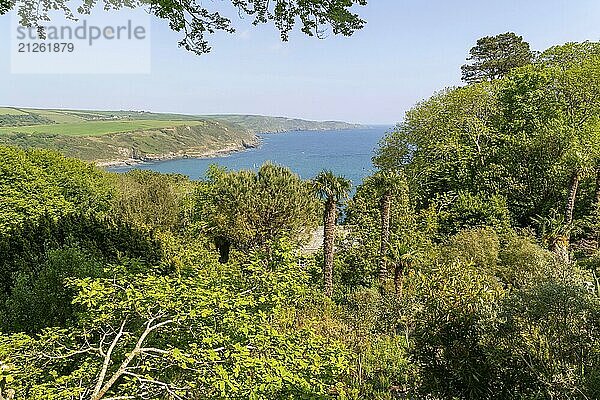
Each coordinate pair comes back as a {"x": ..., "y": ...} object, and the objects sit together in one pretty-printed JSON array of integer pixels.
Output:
[{"x": 345, "y": 152}]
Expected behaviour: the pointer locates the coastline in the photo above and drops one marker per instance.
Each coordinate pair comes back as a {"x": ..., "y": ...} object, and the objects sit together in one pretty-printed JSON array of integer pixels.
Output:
[
  {"x": 190, "y": 153},
  {"x": 201, "y": 154}
]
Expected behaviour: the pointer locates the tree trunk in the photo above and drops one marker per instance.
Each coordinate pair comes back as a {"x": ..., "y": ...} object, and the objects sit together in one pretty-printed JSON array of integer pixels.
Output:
[
  {"x": 570, "y": 206},
  {"x": 597, "y": 195},
  {"x": 10, "y": 394},
  {"x": 223, "y": 245},
  {"x": 328, "y": 243},
  {"x": 560, "y": 248},
  {"x": 398, "y": 272},
  {"x": 561, "y": 245},
  {"x": 385, "y": 204}
]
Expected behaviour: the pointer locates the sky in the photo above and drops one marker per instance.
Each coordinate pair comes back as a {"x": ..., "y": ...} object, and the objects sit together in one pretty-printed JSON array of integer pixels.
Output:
[{"x": 408, "y": 50}]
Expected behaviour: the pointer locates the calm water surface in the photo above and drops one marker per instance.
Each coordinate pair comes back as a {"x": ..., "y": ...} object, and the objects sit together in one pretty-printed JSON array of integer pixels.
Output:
[{"x": 346, "y": 152}]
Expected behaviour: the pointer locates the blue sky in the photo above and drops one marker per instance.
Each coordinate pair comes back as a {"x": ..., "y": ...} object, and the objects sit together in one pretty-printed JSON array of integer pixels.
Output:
[{"x": 408, "y": 50}]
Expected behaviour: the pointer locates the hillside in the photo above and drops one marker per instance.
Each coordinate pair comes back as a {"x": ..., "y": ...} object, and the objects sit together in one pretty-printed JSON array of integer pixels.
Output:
[
  {"x": 266, "y": 124},
  {"x": 125, "y": 137}
]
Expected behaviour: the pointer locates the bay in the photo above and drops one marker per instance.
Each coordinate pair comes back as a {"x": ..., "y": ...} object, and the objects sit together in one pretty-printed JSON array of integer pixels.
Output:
[{"x": 345, "y": 152}]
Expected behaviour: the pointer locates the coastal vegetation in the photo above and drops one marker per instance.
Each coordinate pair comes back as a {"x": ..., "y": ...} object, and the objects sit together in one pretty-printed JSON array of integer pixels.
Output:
[
  {"x": 466, "y": 267},
  {"x": 126, "y": 137}
]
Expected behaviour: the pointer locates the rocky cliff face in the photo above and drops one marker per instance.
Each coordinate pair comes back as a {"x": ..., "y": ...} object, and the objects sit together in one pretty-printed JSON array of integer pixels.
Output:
[{"x": 204, "y": 139}]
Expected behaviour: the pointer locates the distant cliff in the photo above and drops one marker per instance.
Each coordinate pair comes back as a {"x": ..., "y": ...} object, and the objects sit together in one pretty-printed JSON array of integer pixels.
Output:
[{"x": 266, "y": 124}]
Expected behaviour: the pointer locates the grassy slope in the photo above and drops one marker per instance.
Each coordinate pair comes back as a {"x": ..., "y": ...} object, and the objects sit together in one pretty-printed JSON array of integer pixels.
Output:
[
  {"x": 10, "y": 111},
  {"x": 95, "y": 128},
  {"x": 120, "y": 136}
]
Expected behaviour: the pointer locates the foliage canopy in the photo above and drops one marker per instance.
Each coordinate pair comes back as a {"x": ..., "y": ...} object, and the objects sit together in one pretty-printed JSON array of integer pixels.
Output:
[{"x": 196, "y": 20}]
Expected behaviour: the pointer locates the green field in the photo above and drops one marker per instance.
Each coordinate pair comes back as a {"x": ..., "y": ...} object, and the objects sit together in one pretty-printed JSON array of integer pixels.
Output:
[
  {"x": 10, "y": 111},
  {"x": 28, "y": 117},
  {"x": 59, "y": 117},
  {"x": 96, "y": 128}
]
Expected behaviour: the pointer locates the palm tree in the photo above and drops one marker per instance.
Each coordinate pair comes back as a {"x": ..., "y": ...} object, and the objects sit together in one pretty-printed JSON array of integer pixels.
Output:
[
  {"x": 332, "y": 190},
  {"x": 573, "y": 187},
  {"x": 403, "y": 256},
  {"x": 555, "y": 234},
  {"x": 388, "y": 184}
]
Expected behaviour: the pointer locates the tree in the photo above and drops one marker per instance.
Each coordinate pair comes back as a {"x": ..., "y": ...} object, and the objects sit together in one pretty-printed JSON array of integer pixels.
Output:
[
  {"x": 495, "y": 56},
  {"x": 388, "y": 184},
  {"x": 577, "y": 66},
  {"x": 332, "y": 189},
  {"x": 533, "y": 143},
  {"x": 6, "y": 6},
  {"x": 446, "y": 144},
  {"x": 403, "y": 257},
  {"x": 195, "y": 19},
  {"x": 247, "y": 209},
  {"x": 568, "y": 54},
  {"x": 578, "y": 90},
  {"x": 554, "y": 104},
  {"x": 362, "y": 252}
]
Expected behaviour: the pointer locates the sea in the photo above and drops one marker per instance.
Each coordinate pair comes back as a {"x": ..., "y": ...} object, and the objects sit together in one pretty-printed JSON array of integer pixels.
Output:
[{"x": 345, "y": 152}]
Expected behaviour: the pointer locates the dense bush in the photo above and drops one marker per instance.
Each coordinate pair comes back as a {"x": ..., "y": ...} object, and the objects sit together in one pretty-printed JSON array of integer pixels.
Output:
[
  {"x": 37, "y": 257},
  {"x": 151, "y": 200},
  {"x": 23, "y": 120},
  {"x": 37, "y": 183}
]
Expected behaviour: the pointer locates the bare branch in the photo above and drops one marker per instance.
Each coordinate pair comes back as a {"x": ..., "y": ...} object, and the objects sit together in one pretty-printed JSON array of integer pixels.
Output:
[
  {"x": 167, "y": 387},
  {"x": 107, "y": 361},
  {"x": 130, "y": 357}
]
